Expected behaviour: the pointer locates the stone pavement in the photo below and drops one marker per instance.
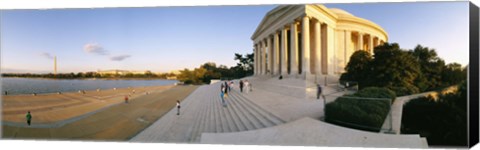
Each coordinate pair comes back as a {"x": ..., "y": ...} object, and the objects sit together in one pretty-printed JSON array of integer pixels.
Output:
[{"x": 311, "y": 132}]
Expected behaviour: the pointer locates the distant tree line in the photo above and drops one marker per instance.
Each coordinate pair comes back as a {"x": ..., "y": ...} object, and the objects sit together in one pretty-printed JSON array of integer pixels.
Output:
[
  {"x": 80, "y": 75},
  {"x": 208, "y": 71},
  {"x": 402, "y": 71}
]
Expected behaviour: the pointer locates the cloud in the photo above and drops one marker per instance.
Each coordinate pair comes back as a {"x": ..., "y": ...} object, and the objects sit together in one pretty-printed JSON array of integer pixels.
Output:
[
  {"x": 95, "y": 48},
  {"x": 47, "y": 55},
  {"x": 119, "y": 58}
]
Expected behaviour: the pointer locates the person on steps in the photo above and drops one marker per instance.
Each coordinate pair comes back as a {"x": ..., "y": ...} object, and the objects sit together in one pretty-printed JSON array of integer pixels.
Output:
[
  {"x": 222, "y": 96},
  {"x": 225, "y": 91},
  {"x": 319, "y": 91},
  {"x": 241, "y": 85}
]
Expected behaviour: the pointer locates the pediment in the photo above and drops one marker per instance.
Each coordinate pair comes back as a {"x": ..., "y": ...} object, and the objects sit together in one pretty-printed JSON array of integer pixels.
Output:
[{"x": 274, "y": 15}]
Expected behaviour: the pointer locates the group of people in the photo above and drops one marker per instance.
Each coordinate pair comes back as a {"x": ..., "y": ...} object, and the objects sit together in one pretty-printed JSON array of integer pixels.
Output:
[
  {"x": 224, "y": 89},
  {"x": 245, "y": 84}
]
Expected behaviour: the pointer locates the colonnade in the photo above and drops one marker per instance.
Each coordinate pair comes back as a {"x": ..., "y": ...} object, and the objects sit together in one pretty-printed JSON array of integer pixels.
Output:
[{"x": 301, "y": 47}]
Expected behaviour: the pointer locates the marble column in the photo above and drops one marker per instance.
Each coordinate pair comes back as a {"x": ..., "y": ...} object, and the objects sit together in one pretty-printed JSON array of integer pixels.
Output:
[
  {"x": 360, "y": 41},
  {"x": 293, "y": 49},
  {"x": 348, "y": 49},
  {"x": 370, "y": 43},
  {"x": 276, "y": 52},
  {"x": 317, "y": 43},
  {"x": 305, "y": 45},
  {"x": 269, "y": 55},
  {"x": 255, "y": 60},
  {"x": 264, "y": 57},
  {"x": 283, "y": 57}
]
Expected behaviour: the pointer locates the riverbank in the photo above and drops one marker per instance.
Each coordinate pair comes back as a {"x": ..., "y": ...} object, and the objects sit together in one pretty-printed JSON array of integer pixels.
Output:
[{"x": 116, "y": 123}]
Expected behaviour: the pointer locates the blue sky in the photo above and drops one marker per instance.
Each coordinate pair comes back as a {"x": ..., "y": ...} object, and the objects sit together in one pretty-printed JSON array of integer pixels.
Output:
[{"x": 168, "y": 38}]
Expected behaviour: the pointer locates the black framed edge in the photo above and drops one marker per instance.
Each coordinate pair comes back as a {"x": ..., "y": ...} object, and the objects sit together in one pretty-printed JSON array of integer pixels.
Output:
[{"x": 473, "y": 81}]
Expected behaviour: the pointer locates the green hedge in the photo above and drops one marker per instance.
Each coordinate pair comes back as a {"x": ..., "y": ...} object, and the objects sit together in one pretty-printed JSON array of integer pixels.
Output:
[{"x": 362, "y": 114}]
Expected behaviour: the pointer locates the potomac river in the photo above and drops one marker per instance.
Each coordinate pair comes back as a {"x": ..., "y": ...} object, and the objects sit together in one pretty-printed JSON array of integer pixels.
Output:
[{"x": 37, "y": 85}]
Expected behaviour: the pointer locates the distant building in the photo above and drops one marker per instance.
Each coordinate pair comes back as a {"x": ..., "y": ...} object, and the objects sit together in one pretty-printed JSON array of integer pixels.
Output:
[
  {"x": 121, "y": 72},
  {"x": 173, "y": 75},
  {"x": 175, "y": 72}
]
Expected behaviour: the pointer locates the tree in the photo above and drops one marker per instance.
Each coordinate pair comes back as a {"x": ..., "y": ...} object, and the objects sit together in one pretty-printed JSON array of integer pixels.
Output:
[
  {"x": 453, "y": 74},
  {"x": 244, "y": 66},
  {"x": 394, "y": 69},
  {"x": 390, "y": 67},
  {"x": 358, "y": 67},
  {"x": 185, "y": 76},
  {"x": 431, "y": 67}
]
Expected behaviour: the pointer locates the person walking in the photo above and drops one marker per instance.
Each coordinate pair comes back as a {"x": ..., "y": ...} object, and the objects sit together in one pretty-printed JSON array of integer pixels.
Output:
[
  {"x": 126, "y": 99},
  {"x": 241, "y": 85},
  {"x": 178, "y": 107},
  {"x": 319, "y": 91},
  {"x": 246, "y": 85},
  {"x": 222, "y": 96},
  {"x": 29, "y": 118}
]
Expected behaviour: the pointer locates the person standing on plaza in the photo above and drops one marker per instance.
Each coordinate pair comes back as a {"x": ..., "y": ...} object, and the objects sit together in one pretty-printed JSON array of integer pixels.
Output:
[
  {"x": 246, "y": 85},
  {"x": 319, "y": 91},
  {"x": 178, "y": 107},
  {"x": 241, "y": 85},
  {"x": 29, "y": 118}
]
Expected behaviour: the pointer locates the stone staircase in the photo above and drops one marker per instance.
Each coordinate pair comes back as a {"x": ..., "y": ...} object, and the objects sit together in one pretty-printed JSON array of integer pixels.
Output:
[{"x": 203, "y": 112}]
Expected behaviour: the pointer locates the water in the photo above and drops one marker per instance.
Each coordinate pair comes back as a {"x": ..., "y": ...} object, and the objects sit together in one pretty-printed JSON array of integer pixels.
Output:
[{"x": 33, "y": 85}]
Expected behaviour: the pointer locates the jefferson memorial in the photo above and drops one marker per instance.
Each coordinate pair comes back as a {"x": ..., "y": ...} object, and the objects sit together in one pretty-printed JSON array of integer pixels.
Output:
[{"x": 312, "y": 42}]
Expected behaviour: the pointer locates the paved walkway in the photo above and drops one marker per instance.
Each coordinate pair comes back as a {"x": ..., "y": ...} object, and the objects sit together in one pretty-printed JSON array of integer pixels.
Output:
[
  {"x": 53, "y": 110},
  {"x": 117, "y": 123}
]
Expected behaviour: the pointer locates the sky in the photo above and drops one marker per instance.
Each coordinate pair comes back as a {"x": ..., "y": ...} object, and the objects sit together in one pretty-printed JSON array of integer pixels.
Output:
[{"x": 162, "y": 39}]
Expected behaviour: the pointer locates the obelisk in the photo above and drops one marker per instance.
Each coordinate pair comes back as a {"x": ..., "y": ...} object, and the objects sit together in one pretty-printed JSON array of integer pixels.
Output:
[{"x": 55, "y": 65}]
